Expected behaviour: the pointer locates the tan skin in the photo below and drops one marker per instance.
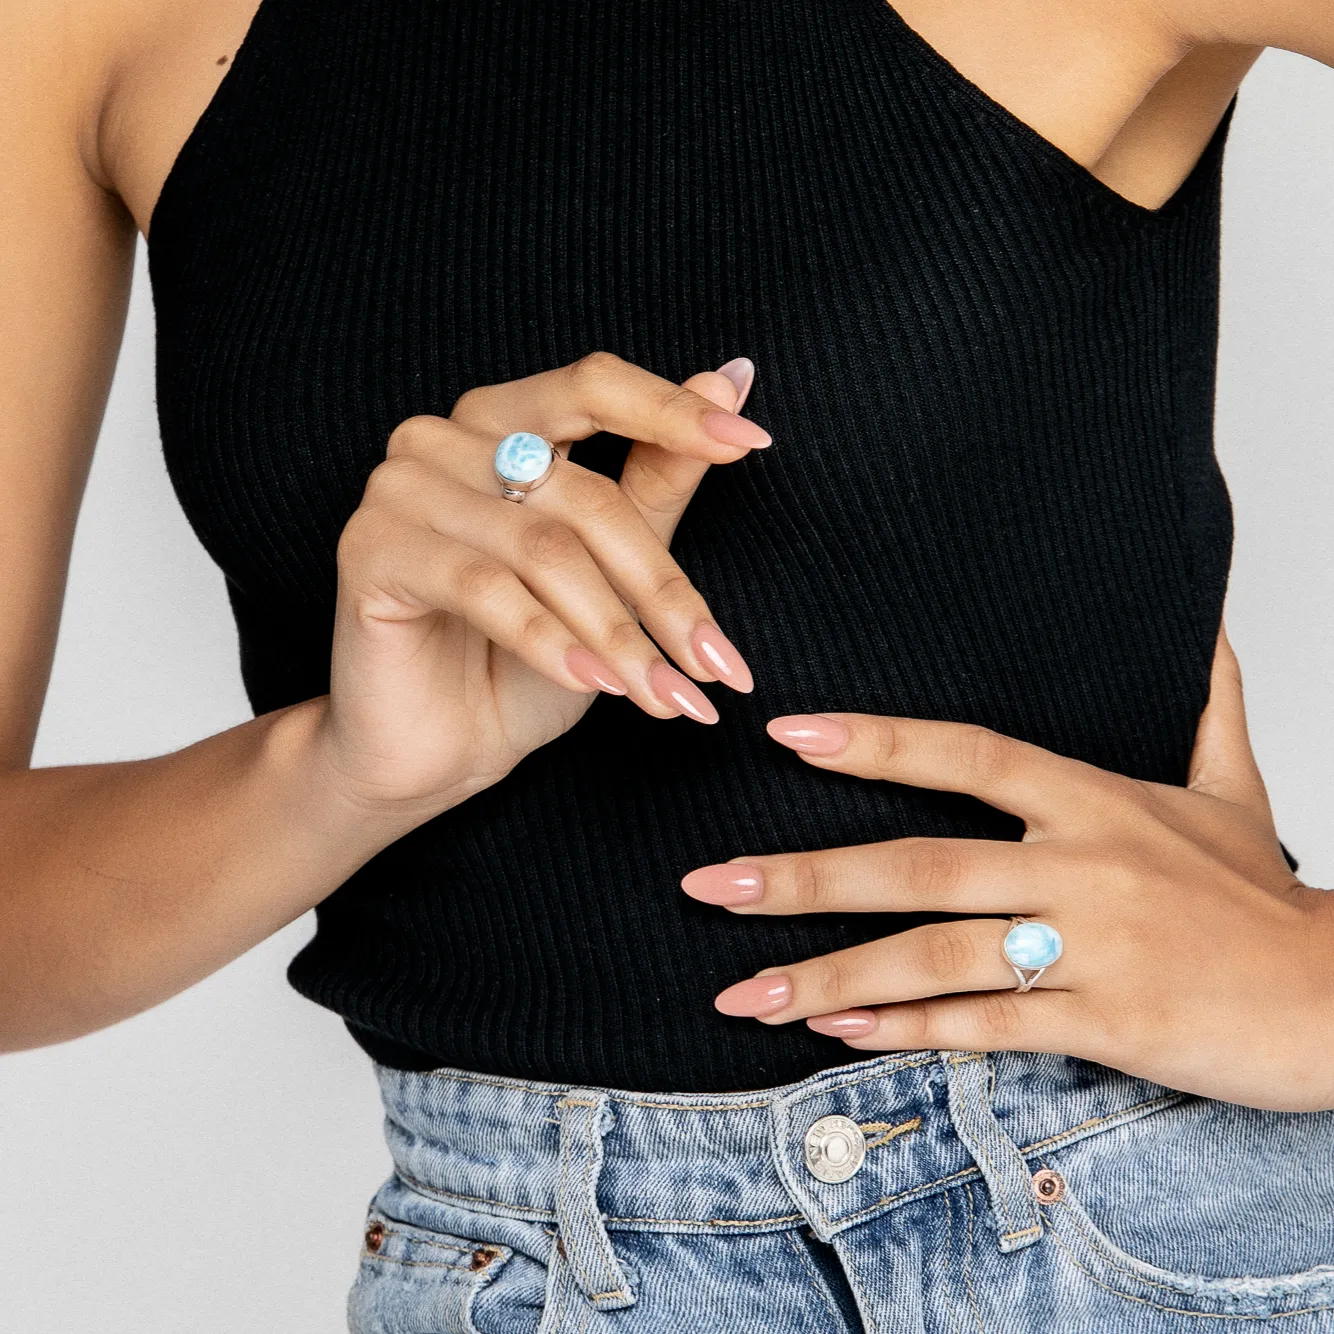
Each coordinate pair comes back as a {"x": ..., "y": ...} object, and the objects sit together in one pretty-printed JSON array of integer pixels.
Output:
[{"x": 122, "y": 884}]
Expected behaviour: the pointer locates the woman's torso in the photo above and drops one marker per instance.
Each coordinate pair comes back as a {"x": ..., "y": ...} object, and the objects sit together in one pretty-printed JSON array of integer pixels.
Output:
[{"x": 992, "y": 494}]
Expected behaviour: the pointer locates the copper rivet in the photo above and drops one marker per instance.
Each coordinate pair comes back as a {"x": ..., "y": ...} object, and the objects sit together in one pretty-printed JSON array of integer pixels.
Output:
[
  {"x": 481, "y": 1257},
  {"x": 1048, "y": 1186},
  {"x": 374, "y": 1237}
]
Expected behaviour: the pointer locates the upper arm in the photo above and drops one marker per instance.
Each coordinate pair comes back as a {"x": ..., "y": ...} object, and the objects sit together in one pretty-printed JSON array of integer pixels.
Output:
[
  {"x": 66, "y": 246},
  {"x": 1303, "y": 26}
]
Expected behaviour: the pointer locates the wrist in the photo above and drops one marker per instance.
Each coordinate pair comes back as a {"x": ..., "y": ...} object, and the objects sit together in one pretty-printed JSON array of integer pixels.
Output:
[{"x": 303, "y": 743}]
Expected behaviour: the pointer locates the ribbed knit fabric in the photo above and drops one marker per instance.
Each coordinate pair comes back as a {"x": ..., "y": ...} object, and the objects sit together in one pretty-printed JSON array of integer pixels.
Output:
[{"x": 992, "y": 494}]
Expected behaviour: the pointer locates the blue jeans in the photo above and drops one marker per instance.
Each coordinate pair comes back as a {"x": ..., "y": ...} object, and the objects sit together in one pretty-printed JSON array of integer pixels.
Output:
[{"x": 920, "y": 1191}]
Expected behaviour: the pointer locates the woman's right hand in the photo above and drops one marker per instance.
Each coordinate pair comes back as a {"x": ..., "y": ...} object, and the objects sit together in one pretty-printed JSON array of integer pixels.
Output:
[{"x": 471, "y": 630}]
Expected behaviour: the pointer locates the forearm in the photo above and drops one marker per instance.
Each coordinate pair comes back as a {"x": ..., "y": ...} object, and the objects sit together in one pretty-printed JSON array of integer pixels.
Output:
[{"x": 122, "y": 884}]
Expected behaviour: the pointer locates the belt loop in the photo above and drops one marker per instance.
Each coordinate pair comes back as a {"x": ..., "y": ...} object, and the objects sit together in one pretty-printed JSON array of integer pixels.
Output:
[
  {"x": 585, "y": 1117},
  {"x": 1002, "y": 1166}
]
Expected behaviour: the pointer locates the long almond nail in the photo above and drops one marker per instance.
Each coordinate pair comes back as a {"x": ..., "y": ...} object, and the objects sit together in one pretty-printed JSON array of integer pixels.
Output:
[
  {"x": 852, "y": 1024},
  {"x": 729, "y": 429},
  {"x": 754, "y": 998},
  {"x": 592, "y": 671},
  {"x": 715, "y": 650},
  {"x": 741, "y": 372},
  {"x": 677, "y": 691},
  {"x": 810, "y": 733},
  {"x": 725, "y": 885}
]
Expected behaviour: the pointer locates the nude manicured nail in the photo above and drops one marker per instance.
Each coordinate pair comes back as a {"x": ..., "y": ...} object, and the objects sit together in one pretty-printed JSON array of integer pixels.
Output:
[
  {"x": 741, "y": 372},
  {"x": 810, "y": 733},
  {"x": 854, "y": 1024},
  {"x": 755, "y": 998},
  {"x": 592, "y": 671},
  {"x": 725, "y": 885},
  {"x": 729, "y": 429},
  {"x": 677, "y": 691},
  {"x": 715, "y": 650}
]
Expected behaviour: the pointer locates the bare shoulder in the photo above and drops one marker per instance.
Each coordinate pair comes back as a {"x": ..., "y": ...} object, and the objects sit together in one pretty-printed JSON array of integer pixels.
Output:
[{"x": 115, "y": 85}]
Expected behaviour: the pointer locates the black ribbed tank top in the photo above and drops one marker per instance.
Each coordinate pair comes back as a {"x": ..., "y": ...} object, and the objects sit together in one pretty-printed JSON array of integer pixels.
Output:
[{"x": 992, "y": 494}]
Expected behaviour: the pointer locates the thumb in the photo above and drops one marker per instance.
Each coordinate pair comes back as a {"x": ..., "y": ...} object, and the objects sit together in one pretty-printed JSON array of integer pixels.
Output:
[
  {"x": 661, "y": 483},
  {"x": 1222, "y": 763}
]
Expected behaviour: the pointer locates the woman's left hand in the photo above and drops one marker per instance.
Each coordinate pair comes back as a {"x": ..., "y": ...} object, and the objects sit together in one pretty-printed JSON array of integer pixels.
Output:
[{"x": 1192, "y": 955}]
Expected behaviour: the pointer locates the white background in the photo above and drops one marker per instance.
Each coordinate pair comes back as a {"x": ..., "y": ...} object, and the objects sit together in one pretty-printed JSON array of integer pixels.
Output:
[{"x": 205, "y": 1167}]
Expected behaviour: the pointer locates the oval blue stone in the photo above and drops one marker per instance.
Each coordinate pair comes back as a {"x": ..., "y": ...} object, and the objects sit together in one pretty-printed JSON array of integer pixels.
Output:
[
  {"x": 1033, "y": 945},
  {"x": 522, "y": 457}
]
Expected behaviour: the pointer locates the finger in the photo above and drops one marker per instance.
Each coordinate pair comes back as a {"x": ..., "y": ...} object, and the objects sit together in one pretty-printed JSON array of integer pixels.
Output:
[
  {"x": 936, "y": 960},
  {"x": 1223, "y": 763},
  {"x": 638, "y": 566},
  {"x": 962, "y": 875},
  {"x": 400, "y": 571},
  {"x": 587, "y": 554},
  {"x": 601, "y": 392},
  {"x": 1038, "y": 786},
  {"x": 991, "y": 1021},
  {"x": 661, "y": 483}
]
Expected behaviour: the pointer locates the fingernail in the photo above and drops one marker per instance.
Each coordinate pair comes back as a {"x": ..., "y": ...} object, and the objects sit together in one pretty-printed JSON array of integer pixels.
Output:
[
  {"x": 592, "y": 671},
  {"x": 714, "y": 648},
  {"x": 729, "y": 429},
  {"x": 725, "y": 885},
  {"x": 755, "y": 997},
  {"x": 671, "y": 688},
  {"x": 741, "y": 372},
  {"x": 810, "y": 733},
  {"x": 853, "y": 1024}
]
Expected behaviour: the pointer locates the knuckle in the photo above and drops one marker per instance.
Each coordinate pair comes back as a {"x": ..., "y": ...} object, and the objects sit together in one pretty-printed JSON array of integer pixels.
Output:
[
  {"x": 932, "y": 870},
  {"x": 884, "y": 745},
  {"x": 468, "y": 404},
  {"x": 479, "y": 578},
  {"x": 593, "y": 370},
  {"x": 997, "y": 1017},
  {"x": 674, "y": 591},
  {"x": 538, "y": 628},
  {"x": 547, "y": 544},
  {"x": 986, "y": 755},
  {"x": 593, "y": 495},
  {"x": 947, "y": 955},
  {"x": 365, "y": 532},
  {"x": 393, "y": 479},
  {"x": 811, "y": 885},
  {"x": 623, "y": 637},
  {"x": 413, "y": 435},
  {"x": 830, "y": 979}
]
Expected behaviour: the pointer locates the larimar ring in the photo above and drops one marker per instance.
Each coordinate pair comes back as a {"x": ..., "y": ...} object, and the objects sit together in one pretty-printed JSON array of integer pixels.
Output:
[
  {"x": 523, "y": 462},
  {"x": 1030, "y": 949}
]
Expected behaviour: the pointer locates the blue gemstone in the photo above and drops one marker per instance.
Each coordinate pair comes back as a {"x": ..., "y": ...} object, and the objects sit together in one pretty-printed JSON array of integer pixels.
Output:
[
  {"x": 522, "y": 457},
  {"x": 1032, "y": 945}
]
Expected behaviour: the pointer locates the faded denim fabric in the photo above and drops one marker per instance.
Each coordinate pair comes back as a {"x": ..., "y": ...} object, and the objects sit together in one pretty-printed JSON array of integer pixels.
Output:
[{"x": 520, "y": 1208}]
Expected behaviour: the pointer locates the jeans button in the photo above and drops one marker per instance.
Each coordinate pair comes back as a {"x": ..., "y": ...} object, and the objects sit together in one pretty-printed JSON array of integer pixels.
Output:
[{"x": 835, "y": 1148}]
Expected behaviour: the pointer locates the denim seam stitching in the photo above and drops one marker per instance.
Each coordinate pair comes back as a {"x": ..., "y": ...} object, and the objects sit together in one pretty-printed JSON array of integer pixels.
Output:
[
  {"x": 867, "y": 1310},
  {"x": 1178, "y": 1310},
  {"x": 805, "y": 1261},
  {"x": 1111, "y": 1260},
  {"x": 424, "y": 1241},
  {"x": 950, "y": 1303},
  {"x": 968, "y": 1261}
]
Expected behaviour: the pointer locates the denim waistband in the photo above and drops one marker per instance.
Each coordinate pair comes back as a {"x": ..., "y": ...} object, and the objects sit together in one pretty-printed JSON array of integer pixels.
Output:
[{"x": 738, "y": 1162}]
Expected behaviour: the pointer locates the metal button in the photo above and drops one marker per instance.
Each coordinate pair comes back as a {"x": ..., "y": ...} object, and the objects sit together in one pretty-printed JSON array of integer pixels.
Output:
[
  {"x": 482, "y": 1257},
  {"x": 1048, "y": 1186},
  {"x": 375, "y": 1236},
  {"x": 835, "y": 1148}
]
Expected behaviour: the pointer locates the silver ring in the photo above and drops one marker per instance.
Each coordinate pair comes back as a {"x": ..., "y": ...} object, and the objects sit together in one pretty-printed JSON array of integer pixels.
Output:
[
  {"x": 1031, "y": 948},
  {"x": 523, "y": 461}
]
